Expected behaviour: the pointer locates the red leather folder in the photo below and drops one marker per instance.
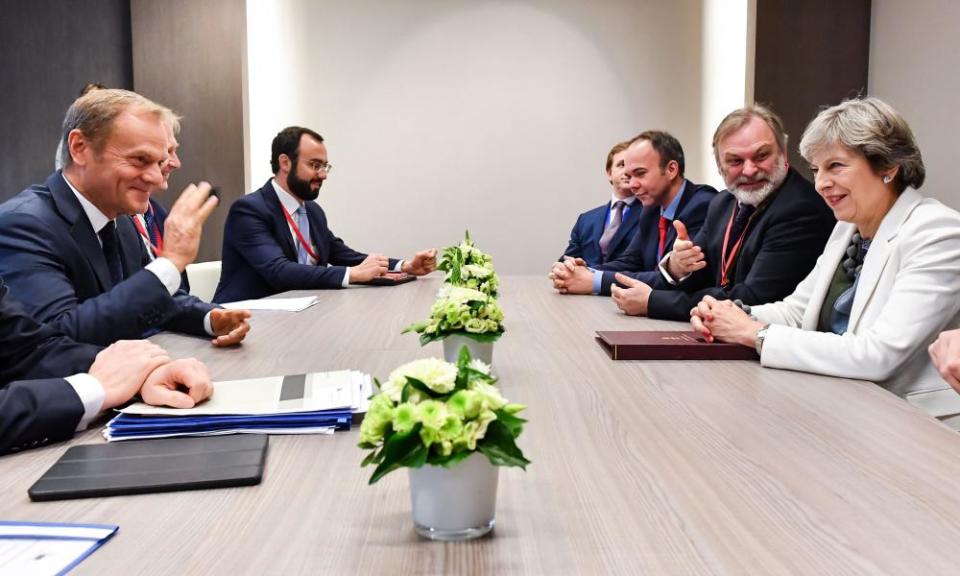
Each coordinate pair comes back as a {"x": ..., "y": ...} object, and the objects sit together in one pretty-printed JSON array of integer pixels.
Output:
[{"x": 669, "y": 345}]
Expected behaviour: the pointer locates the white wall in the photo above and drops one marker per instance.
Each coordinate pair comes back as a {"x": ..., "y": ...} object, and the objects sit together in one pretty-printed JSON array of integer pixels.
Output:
[
  {"x": 915, "y": 66},
  {"x": 496, "y": 116}
]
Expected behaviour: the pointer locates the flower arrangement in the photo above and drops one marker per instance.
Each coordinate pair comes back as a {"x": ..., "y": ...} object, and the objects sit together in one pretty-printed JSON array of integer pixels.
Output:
[
  {"x": 468, "y": 266},
  {"x": 463, "y": 311},
  {"x": 466, "y": 304},
  {"x": 434, "y": 412}
]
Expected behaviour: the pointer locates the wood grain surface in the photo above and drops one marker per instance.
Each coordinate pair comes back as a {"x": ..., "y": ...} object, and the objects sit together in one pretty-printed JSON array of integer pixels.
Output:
[{"x": 714, "y": 468}]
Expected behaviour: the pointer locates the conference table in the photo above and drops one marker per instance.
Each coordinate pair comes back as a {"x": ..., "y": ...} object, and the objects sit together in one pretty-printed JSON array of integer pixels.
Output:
[{"x": 653, "y": 467}]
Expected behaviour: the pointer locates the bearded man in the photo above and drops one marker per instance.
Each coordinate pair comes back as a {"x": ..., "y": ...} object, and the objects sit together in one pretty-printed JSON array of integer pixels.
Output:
[
  {"x": 760, "y": 239},
  {"x": 277, "y": 238}
]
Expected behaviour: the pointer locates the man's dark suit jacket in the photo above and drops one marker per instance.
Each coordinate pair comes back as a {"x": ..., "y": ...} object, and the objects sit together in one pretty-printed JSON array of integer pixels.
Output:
[
  {"x": 780, "y": 248},
  {"x": 640, "y": 258},
  {"x": 586, "y": 233},
  {"x": 260, "y": 257},
  {"x": 37, "y": 405},
  {"x": 160, "y": 217},
  {"x": 53, "y": 263}
]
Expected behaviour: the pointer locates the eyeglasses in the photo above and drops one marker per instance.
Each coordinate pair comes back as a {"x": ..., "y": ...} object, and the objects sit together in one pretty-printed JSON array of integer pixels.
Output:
[{"x": 318, "y": 166}]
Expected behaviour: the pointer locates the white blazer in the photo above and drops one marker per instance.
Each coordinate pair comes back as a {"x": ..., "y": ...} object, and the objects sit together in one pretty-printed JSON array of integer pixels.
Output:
[{"x": 908, "y": 292}]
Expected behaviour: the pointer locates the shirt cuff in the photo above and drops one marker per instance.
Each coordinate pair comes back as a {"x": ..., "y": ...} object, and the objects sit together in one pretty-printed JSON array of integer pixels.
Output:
[
  {"x": 398, "y": 267},
  {"x": 168, "y": 274},
  {"x": 208, "y": 323},
  {"x": 666, "y": 274},
  {"x": 91, "y": 396},
  {"x": 597, "y": 281},
  {"x": 346, "y": 277}
]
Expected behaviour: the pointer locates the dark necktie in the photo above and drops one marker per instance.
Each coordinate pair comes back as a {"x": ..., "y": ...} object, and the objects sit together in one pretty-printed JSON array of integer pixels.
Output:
[
  {"x": 611, "y": 230},
  {"x": 662, "y": 228},
  {"x": 740, "y": 220},
  {"x": 111, "y": 251},
  {"x": 152, "y": 230}
]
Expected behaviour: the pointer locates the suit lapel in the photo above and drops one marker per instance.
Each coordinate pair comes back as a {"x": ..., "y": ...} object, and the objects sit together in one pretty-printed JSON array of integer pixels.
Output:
[
  {"x": 627, "y": 227},
  {"x": 879, "y": 253},
  {"x": 80, "y": 228},
  {"x": 275, "y": 209}
]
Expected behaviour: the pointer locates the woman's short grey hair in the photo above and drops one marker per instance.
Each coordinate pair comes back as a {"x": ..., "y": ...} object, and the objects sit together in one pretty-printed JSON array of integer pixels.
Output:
[
  {"x": 874, "y": 129},
  {"x": 94, "y": 113}
]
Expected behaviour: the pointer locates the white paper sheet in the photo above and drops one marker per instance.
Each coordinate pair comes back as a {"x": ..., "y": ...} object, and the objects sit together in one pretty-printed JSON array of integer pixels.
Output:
[
  {"x": 281, "y": 304},
  {"x": 46, "y": 549}
]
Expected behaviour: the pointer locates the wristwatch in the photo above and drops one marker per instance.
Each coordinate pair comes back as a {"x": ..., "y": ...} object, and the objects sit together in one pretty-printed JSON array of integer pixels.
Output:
[{"x": 761, "y": 335}]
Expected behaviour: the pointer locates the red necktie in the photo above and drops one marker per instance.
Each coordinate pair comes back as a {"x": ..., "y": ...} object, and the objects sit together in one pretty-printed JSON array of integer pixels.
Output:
[{"x": 663, "y": 235}]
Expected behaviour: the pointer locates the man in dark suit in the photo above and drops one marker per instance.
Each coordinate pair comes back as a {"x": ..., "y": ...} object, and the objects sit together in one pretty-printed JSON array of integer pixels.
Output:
[
  {"x": 655, "y": 169},
  {"x": 603, "y": 233},
  {"x": 761, "y": 237},
  {"x": 51, "y": 386},
  {"x": 277, "y": 238},
  {"x": 70, "y": 253}
]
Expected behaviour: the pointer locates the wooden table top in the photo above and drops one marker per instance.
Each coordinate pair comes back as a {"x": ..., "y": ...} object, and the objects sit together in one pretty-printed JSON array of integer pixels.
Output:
[{"x": 672, "y": 468}]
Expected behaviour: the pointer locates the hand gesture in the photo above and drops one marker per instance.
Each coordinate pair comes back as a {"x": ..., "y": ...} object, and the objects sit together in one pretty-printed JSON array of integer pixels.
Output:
[
  {"x": 945, "y": 353},
  {"x": 633, "y": 299},
  {"x": 722, "y": 320},
  {"x": 571, "y": 276},
  {"x": 229, "y": 326},
  {"x": 685, "y": 258},
  {"x": 180, "y": 384},
  {"x": 372, "y": 266},
  {"x": 184, "y": 223},
  {"x": 423, "y": 263},
  {"x": 123, "y": 367}
]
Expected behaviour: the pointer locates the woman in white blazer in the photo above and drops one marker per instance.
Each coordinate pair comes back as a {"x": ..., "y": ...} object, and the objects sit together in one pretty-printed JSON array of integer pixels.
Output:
[{"x": 888, "y": 280}]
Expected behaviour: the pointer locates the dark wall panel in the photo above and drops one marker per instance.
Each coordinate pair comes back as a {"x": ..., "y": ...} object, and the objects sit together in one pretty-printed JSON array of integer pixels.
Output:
[
  {"x": 49, "y": 49},
  {"x": 809, "y": 54},
  {"x": 188, "y": 55}
]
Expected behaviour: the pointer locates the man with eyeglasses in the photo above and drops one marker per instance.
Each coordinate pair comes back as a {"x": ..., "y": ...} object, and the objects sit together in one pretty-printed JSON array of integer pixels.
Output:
[{"x": 277, "y": 238}]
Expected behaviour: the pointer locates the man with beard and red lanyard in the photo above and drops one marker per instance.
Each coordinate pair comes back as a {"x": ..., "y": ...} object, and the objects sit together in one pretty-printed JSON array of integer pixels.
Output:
[
  {"x": 277, "y": 238},
  {"x": 761, "y": 236}
]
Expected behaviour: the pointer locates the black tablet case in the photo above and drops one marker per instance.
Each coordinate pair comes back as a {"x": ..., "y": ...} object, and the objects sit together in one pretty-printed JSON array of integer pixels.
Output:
[{"x": 163, "y": 465}]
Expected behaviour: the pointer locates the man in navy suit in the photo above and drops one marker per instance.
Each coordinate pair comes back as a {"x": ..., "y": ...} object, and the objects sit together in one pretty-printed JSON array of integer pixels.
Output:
[
  {"x": 51, "y": 386},
  {"x": 654, "y": 165},
  {"x": 761, "y": 236},
  {"x": 72, "y": 256},
  {"x": 602, "y": 234},
  {"x": 277, "y": 238}
]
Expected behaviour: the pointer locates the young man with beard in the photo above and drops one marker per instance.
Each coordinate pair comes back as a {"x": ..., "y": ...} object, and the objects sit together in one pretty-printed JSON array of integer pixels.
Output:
[
  {"x": 761, "y": 236},
  {"x": 277, "y": 238}
]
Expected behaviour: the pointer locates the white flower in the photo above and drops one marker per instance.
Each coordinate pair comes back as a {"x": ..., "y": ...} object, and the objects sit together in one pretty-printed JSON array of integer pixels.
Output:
[
  {"x": 480, "y": 366},
  {"x": 435, "y": 374},
  {"x": 476, "y": 271},
  {"x": 393, "y": 388}
]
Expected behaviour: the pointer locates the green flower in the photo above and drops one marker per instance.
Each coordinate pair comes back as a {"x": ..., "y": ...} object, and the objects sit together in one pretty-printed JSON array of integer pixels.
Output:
[
  {"x": 393, "y": 388},
  {"x": 490, "y": 397},
  {"x": 379, "y": 416},
  {"x": 465, "y": 404},
  {"x": 452, "y": 428},
  {"x": 476, "y": 325},
  {"x": 404, "y": 418},
  {"x": 432, "y": 414}
]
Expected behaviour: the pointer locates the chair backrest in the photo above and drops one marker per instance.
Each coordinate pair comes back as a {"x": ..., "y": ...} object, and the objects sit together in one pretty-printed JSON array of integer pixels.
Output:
[{"x": 204, "y": 277}]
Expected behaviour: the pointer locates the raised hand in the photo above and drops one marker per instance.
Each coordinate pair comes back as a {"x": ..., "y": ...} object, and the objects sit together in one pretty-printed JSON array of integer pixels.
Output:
[
  {"x": 685, "y": 258},
  {"x": 184, "y": 224}
]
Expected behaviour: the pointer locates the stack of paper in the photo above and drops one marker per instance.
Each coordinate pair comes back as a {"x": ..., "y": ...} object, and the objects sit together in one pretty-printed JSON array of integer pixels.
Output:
[
  {"x": 316, "y": 403},
  {"x": 43, "y": 548}
]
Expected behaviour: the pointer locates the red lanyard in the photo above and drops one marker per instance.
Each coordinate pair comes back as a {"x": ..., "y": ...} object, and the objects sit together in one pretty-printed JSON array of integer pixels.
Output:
[
  {"x": 158, "y": 247},
  {"x": 296, "y": 230},
  {"x": 725, "y": 261}
]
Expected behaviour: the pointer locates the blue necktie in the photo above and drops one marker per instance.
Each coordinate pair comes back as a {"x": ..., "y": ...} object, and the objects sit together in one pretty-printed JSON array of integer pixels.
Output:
[
  {"x": 111, "y": 251},
  {"x": 303, "y": 257},
  {"x": 149, "y": 219}
]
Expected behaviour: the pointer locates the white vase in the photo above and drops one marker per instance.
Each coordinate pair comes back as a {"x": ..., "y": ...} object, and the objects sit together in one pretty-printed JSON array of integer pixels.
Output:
[
  {"x": 455, "y": 503},
  {"x": 453, "y": 343}
]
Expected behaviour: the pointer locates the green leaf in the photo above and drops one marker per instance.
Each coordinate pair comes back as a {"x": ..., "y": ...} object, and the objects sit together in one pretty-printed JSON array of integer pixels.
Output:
[
  {"x": 513, "y": 423},
  {"x": 417, "y": 327},
  {"x": 499, "y": 447},
  {"x": 397, "y": 449},
  {"x": 420, "y": 386},
  {"x": 370, "y": 459}
]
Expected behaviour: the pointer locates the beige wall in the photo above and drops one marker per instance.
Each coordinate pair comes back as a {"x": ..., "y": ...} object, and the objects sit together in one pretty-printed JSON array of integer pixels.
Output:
[
  {"x": 914, "y": 56},
  {"x": 442, "y": 115}
]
